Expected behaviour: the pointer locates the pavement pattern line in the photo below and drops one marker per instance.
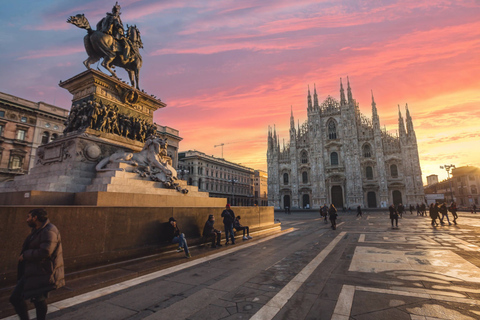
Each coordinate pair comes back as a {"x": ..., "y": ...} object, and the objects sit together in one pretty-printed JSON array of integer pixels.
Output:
[
  {"x": 344, "y": 303},
  {"x": 345, "y": 299},
  {"x": 272, "y": 307},
  {"x": 70, "y": 302},
  {"x": 361, "y": 238}
]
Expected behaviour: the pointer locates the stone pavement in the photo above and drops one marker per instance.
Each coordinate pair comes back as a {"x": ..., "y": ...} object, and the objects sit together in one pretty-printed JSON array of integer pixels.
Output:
[{"x": 362, "y": 270}]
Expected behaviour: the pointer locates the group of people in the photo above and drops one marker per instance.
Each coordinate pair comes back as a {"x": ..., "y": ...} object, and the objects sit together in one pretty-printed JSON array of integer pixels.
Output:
[
  {"x": 230, "y": 222},
  {"x": 41, "y": 268},
  {"x": 436, "y": 209},
  {"x": 331, "y": 213}
]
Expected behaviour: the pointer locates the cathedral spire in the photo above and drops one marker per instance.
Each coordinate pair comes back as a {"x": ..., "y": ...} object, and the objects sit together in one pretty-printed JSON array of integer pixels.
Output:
[
  {"x": 309, "y": 97},
  {"x": 349, "y": 92},
  {"x": 410, "y": 130},
  {"x": 401, "y": 125},
  {"x": 374, "y": 106},
  {"x": 292, "y": 121},
  {"x": 315, "y": 97},
  {"x": 375, "y": 119},
  {"x": 342, "y": 94}
]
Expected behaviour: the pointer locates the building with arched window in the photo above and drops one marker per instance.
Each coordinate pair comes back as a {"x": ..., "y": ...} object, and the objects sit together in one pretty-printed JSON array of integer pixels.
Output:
[{"x": 340, "y": 156}]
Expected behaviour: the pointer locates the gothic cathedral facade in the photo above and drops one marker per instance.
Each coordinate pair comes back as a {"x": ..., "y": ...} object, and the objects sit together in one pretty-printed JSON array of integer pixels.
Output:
[{"x": 342, "y": 157}]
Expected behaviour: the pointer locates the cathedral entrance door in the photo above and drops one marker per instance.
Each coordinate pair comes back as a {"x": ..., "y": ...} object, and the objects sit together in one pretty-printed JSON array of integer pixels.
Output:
[
  {"x": 397, "y": 197},
  {"x": 337, "y": 197},
  {"x": 286, "y": 201},
  {"x": 306, "y": 201},
  {"x": 371, "y": 199}
]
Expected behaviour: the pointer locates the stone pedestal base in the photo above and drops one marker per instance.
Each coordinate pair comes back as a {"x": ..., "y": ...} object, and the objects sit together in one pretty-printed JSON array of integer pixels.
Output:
[{"x": 68, "y": 164}]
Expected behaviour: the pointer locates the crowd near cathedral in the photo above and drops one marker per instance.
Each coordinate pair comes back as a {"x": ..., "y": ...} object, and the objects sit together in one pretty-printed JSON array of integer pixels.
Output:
[{"x": 339, "y": 156}]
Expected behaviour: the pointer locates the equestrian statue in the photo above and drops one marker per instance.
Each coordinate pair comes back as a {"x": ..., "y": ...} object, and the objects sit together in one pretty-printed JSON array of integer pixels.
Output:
[{"x": 110, "y": 42}]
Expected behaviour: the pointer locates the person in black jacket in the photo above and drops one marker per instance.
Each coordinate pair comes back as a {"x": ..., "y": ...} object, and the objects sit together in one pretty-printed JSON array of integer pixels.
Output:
[
  {"x": 332, "y": 212},
  {"x": 228, "y": 219},
  {"x": 393, "y": 215},
  {"x": 176, "y": 236},
  {"x": 210, "y": 232},
  {"x": 238, "y": 226},
  {"x": 359, "y": 211},
  {"x": 40, "y": 266}
]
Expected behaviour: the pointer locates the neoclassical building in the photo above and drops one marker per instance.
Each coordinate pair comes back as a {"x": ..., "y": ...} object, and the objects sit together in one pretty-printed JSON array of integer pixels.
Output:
[{"x": 342, "y": 157}]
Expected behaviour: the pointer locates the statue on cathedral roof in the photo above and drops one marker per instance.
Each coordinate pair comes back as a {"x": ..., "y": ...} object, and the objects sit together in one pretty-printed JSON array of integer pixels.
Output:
[{"x": 110, "y": 43}]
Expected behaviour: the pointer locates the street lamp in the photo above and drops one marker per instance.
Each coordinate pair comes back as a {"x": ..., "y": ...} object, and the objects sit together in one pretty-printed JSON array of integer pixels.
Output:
[
  {"x": 183, "y": 172},
  {"x": 233, "y": 181},
  {"x": 448, "y": 168}
]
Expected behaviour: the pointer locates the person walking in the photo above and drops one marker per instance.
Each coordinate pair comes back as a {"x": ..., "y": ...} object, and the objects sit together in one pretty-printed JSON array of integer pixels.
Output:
[
  {"x": 433, "y": 210},
  {"x": 238, "y": 227},
  {"x": 400, "y": 210},
  {"x": 411, "y": 208},
  {"x": 474, "y": 208},
  {"x": 359, "y": 211},
  {"x": 453, "y": 209},
  {"x": 444, "y": 212},
  {"x": 324, "y": 212},
  {"x": 393, "y": 215},
  {"x": 332, "y": 212},
  {"x": 228, "y": 219},
  {"x": 418, "y": 209},
  {"x": 209, "y": 232},
  {"x": 423, "y": 209},
  {"x": 176, "y": 236},
  {"x": 40, "y": 266}
]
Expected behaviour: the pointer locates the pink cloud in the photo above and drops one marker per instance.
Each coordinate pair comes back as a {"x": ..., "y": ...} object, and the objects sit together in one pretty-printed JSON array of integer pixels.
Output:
[{"x": 49, "y": 53}]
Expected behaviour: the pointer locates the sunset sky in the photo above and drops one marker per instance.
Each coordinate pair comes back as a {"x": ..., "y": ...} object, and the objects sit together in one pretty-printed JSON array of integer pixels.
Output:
[{"x": 229, "y": 69}]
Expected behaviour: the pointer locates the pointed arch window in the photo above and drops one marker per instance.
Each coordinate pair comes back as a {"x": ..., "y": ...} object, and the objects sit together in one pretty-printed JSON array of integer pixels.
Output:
[
  {"x": 334, "y": 159},
  {"x": 332, "y": 130},
  {"x": 367, "y": 151},
  {"x": 304, "y": 157},
  {"x": 394, "y": 171},
  {"x": 369, "y": 173},
  {"x": 285, "y": 178},
  {"x": 305, "y": 177}
]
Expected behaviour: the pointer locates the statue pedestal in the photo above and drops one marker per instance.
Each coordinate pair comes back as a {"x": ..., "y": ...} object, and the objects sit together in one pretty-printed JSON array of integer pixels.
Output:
[
  {"x": 95, "y": 85},
  {"x": 68, "y": 164}
]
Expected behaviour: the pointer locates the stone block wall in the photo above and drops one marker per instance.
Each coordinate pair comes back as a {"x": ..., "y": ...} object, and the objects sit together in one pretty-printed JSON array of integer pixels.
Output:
[{"x": 93, "y": 236}]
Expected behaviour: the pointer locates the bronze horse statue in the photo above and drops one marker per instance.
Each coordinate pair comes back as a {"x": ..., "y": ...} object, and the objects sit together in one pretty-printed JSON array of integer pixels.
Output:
[{"x": 102, "y": 45}]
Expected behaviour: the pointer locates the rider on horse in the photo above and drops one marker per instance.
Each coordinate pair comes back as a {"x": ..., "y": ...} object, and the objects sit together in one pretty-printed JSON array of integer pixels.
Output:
[{"x": 112, "y": 24}]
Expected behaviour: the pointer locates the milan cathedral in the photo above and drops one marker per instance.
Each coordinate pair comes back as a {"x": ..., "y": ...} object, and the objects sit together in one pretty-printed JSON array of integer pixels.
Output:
[{"x": 342, "y": 157}]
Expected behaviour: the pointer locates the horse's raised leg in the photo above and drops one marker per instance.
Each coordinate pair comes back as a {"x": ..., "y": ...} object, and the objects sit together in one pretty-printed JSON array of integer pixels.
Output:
[{"x": 106, "y": 64}]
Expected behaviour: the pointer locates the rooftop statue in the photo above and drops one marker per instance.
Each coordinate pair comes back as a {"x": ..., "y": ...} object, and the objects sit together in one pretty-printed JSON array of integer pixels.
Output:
[{"x": 110, "y": 42}]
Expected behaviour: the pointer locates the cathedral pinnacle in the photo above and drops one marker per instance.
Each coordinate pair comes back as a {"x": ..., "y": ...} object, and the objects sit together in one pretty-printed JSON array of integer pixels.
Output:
[
  {"x": 309, "y": 97},
  {"x": 349, "y": 92},
  {"x": 315, "y": 97},
  {"x": 342, "y": 94},
  {"x": 292, "y": 121},
  {"x": 401, "y": 125}
]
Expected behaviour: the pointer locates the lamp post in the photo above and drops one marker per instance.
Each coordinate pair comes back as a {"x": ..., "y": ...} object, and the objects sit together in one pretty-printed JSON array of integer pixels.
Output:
[
  {"x": 448, "y": 168},
  {"x": 233, "y": 181},
  {"x": 183, "y": 172}
]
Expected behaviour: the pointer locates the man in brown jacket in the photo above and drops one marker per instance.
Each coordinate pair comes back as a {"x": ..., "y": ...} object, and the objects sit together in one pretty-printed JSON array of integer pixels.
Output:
[{"x": 40, "y": 266}]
